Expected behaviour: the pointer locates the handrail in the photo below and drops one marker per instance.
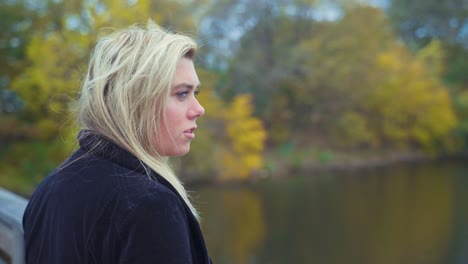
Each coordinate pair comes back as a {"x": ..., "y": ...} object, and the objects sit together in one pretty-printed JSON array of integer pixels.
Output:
[{"x": 12, "y": 208}]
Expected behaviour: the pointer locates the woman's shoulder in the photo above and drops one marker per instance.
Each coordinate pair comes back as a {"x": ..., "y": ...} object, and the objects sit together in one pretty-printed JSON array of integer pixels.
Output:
[
  {"x": 130, "y": 187},
  {"x": 151, "y": 206},
  {"x": 141, "y": 191},
  {"x": 87, "y": 182}
]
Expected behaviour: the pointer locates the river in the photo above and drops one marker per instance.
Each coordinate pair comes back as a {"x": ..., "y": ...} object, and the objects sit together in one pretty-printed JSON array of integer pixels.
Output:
[{"x": 410, "y": 213}]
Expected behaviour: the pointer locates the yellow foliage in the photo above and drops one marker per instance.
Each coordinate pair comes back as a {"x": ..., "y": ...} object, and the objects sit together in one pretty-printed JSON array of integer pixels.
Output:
[
  {"x": 247, "y": 137},
  {"x": 410, "y": 104},
  {"x": 433, "y": 57},
  {"x": 47, "y": 129},
  {"x": 49, "y": 81}
]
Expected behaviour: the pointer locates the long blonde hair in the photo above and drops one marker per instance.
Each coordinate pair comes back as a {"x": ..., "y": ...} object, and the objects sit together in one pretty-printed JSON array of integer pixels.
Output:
[{"x": 124, "y": 93}]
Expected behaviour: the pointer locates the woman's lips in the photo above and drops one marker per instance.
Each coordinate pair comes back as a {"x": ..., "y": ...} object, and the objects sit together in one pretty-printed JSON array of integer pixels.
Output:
[{"x": 190, "y": 133}]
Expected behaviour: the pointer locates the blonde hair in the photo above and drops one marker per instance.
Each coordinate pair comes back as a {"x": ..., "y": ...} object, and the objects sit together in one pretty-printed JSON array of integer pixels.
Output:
[{"x": 124, "y": 93}]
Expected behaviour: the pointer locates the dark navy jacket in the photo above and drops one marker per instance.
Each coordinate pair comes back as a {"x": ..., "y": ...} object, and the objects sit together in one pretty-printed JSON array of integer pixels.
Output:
[{"x": 101, "y": 206}]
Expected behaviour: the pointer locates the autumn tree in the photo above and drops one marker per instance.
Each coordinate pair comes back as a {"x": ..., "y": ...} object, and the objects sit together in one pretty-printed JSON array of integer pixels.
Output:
[
  {"x": 312, "y": 80},
  {"x": 251, "y": 42},
  {"x": 411, "y": 105},
  {"x": 330, "y": 72},
  {"x": 418, "y": 23},
  {"x": 321, "y": 83},
  {"x": 231, "y": 140}
]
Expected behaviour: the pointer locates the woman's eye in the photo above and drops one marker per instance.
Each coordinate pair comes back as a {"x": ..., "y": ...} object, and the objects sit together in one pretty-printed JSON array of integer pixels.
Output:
[
  {"x": 196, "y": 92},
  {"x": 182, "y": 95}
]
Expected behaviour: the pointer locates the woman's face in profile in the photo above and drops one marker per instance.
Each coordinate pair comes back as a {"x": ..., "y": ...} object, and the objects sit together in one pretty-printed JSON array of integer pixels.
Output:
[{"x": 181, "y": 112}]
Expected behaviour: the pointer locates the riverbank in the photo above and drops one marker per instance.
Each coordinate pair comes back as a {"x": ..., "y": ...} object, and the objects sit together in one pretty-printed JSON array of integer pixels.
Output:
[
  {"x": 346, "y": 161},
  {"x": 282, "y": 165}
]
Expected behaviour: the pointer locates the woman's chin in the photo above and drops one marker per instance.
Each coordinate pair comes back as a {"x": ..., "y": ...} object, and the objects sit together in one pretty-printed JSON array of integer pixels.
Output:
[{"x": 181, "y": 151}]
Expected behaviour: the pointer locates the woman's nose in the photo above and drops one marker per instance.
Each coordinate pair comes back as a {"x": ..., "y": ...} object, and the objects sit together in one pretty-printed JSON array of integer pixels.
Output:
[{"x": 197, "y": 109}]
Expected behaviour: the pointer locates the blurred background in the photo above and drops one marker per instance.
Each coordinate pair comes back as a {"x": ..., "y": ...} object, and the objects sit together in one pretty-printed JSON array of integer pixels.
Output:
[{"x": 336, "y": 131}]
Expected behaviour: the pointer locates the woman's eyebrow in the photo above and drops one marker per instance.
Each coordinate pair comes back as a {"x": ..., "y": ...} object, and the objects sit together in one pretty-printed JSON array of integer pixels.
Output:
[{"x": 186, "y": 85}]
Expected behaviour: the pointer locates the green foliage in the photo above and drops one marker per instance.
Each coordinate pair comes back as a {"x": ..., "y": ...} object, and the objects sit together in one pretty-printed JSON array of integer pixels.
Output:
[
  {"x": 13, "y": 41},
  {"x": 456, "y": 66},
  {"x": 325, "y": 156},
  {"x": 333, "y": 71},
  {"x": 24, "y": 164},
  {"x": 353, "y": 129}
]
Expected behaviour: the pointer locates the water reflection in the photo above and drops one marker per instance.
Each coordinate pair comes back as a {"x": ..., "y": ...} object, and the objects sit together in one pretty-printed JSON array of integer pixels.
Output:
[
  {"x": 406, "y": 214},
  {"x": 400, "y": 218},
  {"x": 238, "y": 227}
]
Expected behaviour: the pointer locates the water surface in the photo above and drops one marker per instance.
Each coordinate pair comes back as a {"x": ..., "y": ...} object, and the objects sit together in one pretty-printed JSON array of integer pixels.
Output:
[{"x": 401, "y": 214}]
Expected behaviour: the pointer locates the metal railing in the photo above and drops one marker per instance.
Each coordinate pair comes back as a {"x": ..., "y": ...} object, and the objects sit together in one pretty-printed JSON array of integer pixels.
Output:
[{"x": 11, "y": 229}]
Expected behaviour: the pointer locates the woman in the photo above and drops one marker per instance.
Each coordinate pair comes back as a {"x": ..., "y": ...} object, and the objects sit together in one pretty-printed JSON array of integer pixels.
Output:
[{"x": 116, "y": 200}]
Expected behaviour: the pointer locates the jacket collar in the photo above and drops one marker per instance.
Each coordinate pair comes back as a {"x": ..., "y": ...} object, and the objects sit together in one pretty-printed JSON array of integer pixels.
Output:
[
  {"x": 101, "y": 146},
  {"x": 98, "y": 145}
]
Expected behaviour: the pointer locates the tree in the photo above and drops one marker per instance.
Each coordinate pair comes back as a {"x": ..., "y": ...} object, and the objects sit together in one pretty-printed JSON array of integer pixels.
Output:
[
  {"x": 418, "y": 22},
  {"x": 332, "y": 72},
  {"x": 255, "y": 37},
  {"x": 343, "y": 96},
  {"x": 411, "y": 105},
  {"x": 14, "y": 36}
]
